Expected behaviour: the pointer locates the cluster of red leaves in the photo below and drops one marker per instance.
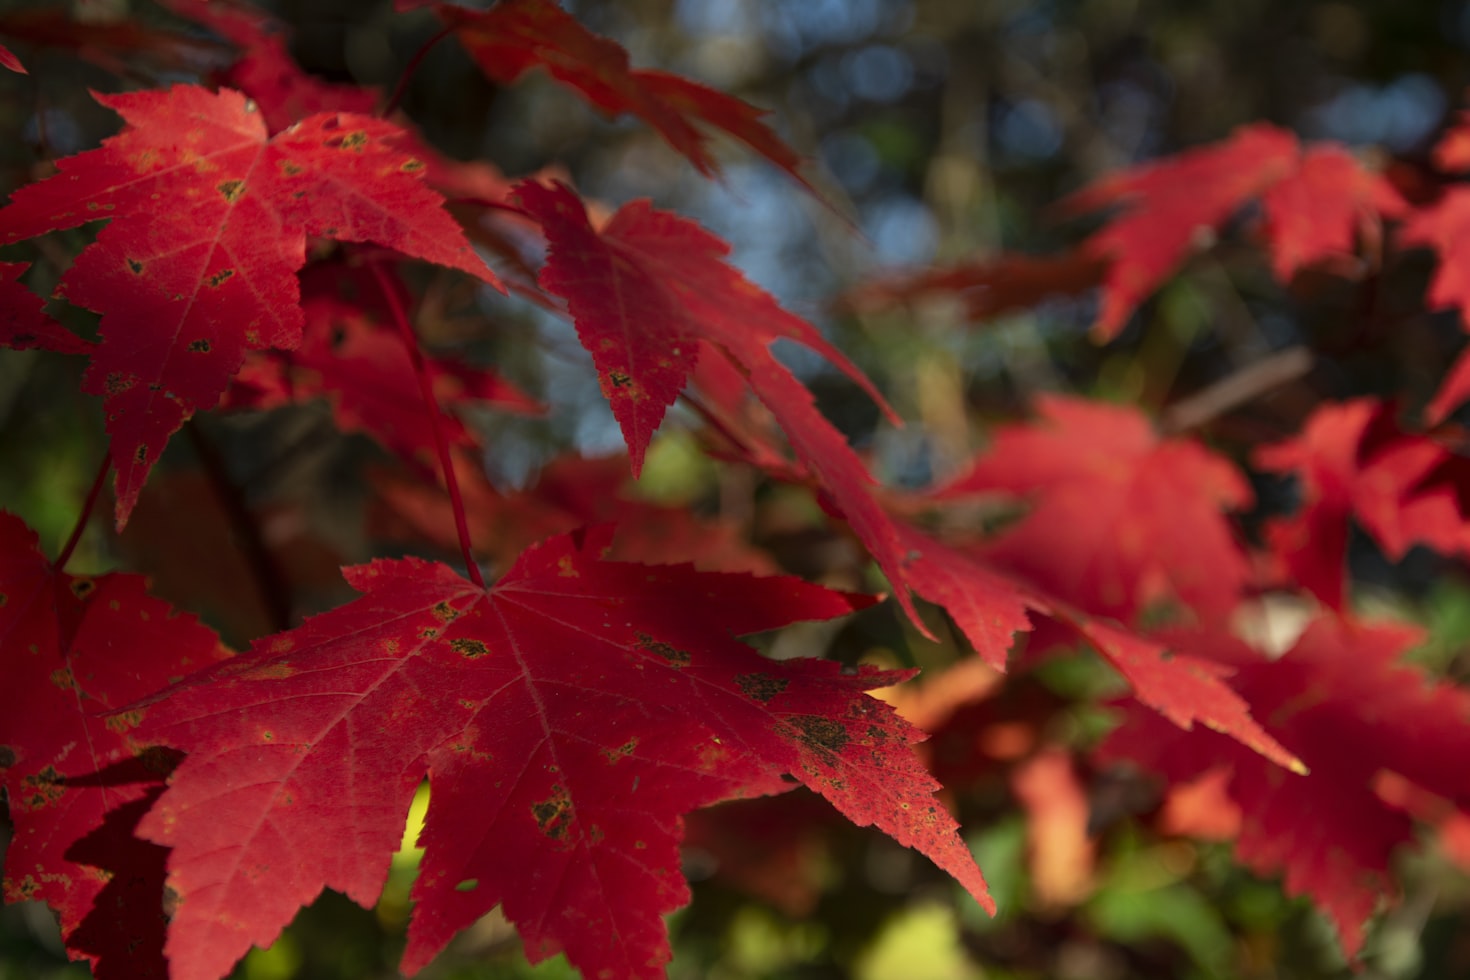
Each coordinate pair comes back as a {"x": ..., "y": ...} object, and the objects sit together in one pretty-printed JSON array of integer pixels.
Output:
[{"x": 570, "y": 715}]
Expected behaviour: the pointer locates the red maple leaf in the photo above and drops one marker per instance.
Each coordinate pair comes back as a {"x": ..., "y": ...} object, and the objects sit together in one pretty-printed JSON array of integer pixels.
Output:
[
  {"x": 1322, "y": 209},
  {"x": 23, "y": 325},
  {"x": 351, "y": 353},
  {"x": 72, "y": 648},
  {"x": 1172, "y": 207},
  {"x": 1445, "y": 227},
  {"x": 1354, "y": 460},
  {"x": 186, "y": 289},
  {"x": 566, "y": 718},
  {"x": 1317, "y": 203},
  {"x": 1341, "y": 700},
  {"x": 989, "y": 607},
  {"x": 515, "y": 36},
  {"x": 646, "y": 289},
  {"x": 1120, "y": 518}
]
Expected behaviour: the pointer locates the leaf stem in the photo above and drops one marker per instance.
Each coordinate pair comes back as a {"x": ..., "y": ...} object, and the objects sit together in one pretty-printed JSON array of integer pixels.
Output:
[
  {"x": 409, "y": 70},
  {"x": 431, "y": 405},
  {"x": 85, "y": 516}
]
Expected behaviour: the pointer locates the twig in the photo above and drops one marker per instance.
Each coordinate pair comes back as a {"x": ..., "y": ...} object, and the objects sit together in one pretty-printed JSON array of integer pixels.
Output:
[
  {"x": 85, "y": 516},
  {"x": 431, "y": 405}
]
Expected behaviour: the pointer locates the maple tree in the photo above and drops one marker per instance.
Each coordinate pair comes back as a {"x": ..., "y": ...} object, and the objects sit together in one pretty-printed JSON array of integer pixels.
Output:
[{"x": 258, "y": 240}]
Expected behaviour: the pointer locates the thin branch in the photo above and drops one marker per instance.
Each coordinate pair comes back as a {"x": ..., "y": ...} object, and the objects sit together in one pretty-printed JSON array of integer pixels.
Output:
[
  {"x": 85, "y": 516},
  {"x": 1236, "y": 389},
  {"x": 409, "y": 70},
  {"x": 431, "y": 405}
]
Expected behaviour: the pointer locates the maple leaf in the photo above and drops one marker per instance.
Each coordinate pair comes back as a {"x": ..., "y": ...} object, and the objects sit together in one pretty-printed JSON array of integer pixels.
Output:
[
  {"x": 351, "y": 353},
  {"x": 516, "y": 36},
  {"x": 185, "y": 289},
  {"x": 566, "y": 718},
  {"x": 1317, "y": 201},
  {"x": 1445, "y": 227},
  {"x": 1342, "y": 701},
  {"x": 1120, "y": 519},
  {"x": 1172, "y": 207},
  {"x": 1318, "y": 211},
  {"x": 645, "y": 289},
  {"x": 72, "y": 648},
  {"x": 990, "y": 606},
  {"x": 1353, "y": 460},
  {"x": 23, "y": 325}
]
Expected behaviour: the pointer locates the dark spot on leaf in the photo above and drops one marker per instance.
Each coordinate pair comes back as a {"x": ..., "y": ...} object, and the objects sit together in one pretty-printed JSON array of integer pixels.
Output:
[
  {"x": 117, "y": 383},
  {"x": 219, "y": 278},
  {"x": 445, "y": 613},
  {"x": 412, "y": 166},
  {"x": 63, "y": 679},
  {"x": 82, "y": 587},
  {"x": 552, "y": 815},
  {"x": 786, "y": 777},
  {"x": 761, "y": 687},
  {"x": 7, "y": 757},
  {"x": 135, "y": 266},
  {"x": 468, "y": 885},
  {"x": 199, "y": 347},
  {"x": 232, "y": 189},
  {"x": 675, "y": 656},
  {"x": 171, "y": 901},
  {"x": 621, "y": 752},
  {"x": 354, "y": 141},
  {"x": 618, "y": 379},
  {"x": 141, "y": 454},
  {"x": 821, "y": 733},
  {"x": 42, "y": 789},
  {"x": 429, "y": 634},
  {"x": 466, "y": 647},
  {"x": 290, "y": 169}
]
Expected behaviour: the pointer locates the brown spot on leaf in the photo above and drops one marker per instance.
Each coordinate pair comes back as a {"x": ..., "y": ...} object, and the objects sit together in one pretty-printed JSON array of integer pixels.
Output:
[
  {"x": 117, "y": 383},
  {"x": 411, "y": 166},
  {"x": 553, "y": 815},
  {"x": 43, "y": 788},
  {"x": 231, "y": 189},
  {"x": 761, "y": 687},
  {"x": 124, "y": 721},
  {"x": 621, "y": 752},
  {"x": 445, "y": 613},
  {"x": 429, "y": 634},
  {"x": 63, "y": 679},
  {"x": 290, "y": 169},
  {"x": 466, "y": 647},
  {"x": 82, "y": 587},
  {"x": 135, "y": 266},
  {"x": 199, "y": 347},
  {"x": 220, "y": 277},
  {"x": 7, "y": 757},
  {"x": 141, "y": 455},
  {"x": 354, "y": 141},
  {"x": 821, "y": 733},
  {"x": 672, "y": 654},
  {"x": 618, "y": 379}
]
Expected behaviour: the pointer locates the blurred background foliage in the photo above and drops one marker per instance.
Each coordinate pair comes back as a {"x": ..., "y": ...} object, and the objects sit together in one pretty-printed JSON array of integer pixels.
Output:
[{"x": 945, "y": 131}]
